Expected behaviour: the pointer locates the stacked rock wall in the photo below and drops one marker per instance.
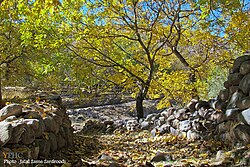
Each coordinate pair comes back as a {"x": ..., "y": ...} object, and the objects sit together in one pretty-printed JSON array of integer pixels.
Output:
[
  {"x": 34, "y": 131},
  {"x": 226, "y": 117}
]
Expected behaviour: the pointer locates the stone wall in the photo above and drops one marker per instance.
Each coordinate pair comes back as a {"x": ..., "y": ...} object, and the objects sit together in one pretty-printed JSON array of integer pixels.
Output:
[
  {"x": 226, "y": 117},
  {"x": 34, "y": 131}
]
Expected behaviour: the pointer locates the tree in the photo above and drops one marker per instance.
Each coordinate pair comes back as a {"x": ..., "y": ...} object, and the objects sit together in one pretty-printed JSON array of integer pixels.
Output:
[
  {"x": 146, "y": 47},
  {"x": 10, "y": 49}
]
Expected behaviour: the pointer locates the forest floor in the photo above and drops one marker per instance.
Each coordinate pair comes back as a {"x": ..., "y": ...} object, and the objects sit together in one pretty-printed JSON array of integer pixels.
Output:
[{"x": 141, "y": 149}]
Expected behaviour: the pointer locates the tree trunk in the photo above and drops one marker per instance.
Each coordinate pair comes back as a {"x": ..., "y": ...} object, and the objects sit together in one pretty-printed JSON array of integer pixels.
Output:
[{"x": 139, "y": 105}]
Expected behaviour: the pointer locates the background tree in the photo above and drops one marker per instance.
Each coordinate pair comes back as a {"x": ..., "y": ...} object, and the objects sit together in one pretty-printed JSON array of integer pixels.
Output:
[{"x": 149, "y": 48}]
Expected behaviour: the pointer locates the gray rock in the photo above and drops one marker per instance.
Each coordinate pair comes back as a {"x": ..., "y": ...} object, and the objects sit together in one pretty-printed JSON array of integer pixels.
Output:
[
  {"x": 233, "y": 100},
  {"x": 9, "y": 110},
  {"x": 34, "y": 152},
  {"x": 220, "y": 156},
  {"x": 37, "y": 125},
  {"x": 165, "y": 128},
  {"x": 202, "y": 112},
  {"x": 50, "y": 124},
  {"x": 168, "y": 112},
  {"x": 233, "y": 89},
  {"x": 232, "y": 113},
  {"x": 44, "y": 147},
  {"x": 28, "y": 135},
  {"x": 180, "y": 114},
  {"x": 53, "y": 142},
  {"x": 243, "y": 133},
  {"x": 217, "y": 117},
  {"x": 235, "y": 77},
  {"x": 145, "y": 125},
  {"x": 245, "y": 84},
  {"x": 162, "y": 157},
  {"x": 245, "y": 68},
  {"x": 174, "y": 131},
  {"x": 191, "y": 105},
  {"x": 176, "y": 123},
  {"x": 6, "y": 131},
  {"x": 60, "y": 111},
  {"x": 57, "y": 118},
  {"x": 192, "y": 135},
  {"x": 195, "y": 114},
  {"x": 238, "y": 61},
  {"x": 150, "y": 117},
  {"x": 155, "y": 131},
  {"x": 224, "y": 94},
  {"x": 185, "y": 125},
  {"x": 10, "y": 118},
  {"x": 105, "y": 157},
  {"x": 80, "y": 119},
  {"x": 18, "y": 129},
  {"x": 32, "y": 115},
  {"x": 201, "y": 104},
  {"x": 243, "y": 103},
  {"x": 245, "y": 116},
  {"x": 132, "y": 125},
  {"x": 170, "y": 118},
  {"x": 60, "y": 141}
]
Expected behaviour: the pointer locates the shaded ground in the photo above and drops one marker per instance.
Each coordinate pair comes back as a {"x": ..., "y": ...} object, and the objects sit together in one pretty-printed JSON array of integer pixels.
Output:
[
  {"x": 136, "y": 149},
  {"x": 140, "y": 148}
]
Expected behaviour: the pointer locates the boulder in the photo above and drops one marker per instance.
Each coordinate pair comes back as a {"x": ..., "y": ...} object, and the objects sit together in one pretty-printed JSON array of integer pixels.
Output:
[
  {"x": 224, "y": 95},
  {"x": 9, "y": 110},
  {"x": 238, "y": 61},
  {"x": 165, "y": 128},
  {"x": 53, "y": 142},
  {"x": 245, "y": 116},
  {"x": 232, "y": 113},
  {"x": 34, "y": 152},
  {"x": 174, "y": 131},
  {"x": 150, "y": 117},
  {"x": 28, "y": 135},
  {"x": 50, "y": 124},
  {"x": 168, "y": 112},
  {"x": 6, "y": 131},
  {"x": 132, "y": 124},
  {"x": 185, "y": 125},
  {"x": 180, "y": 114},
  {"x": 162, "y": 157},
  {"x": 60, "y": 141},
  {"x": 57, "y": 118},
  {"x": 145, "y": 125},
  {"x": 10, "y": 118},
  {"x": 44, "y": 147},
  {"x": 232, "y": 90},
  {"x": 191, "y": 105},
  {"x": 18, "y": 129},
  {"x": 37, "y": 125},
  {"x": 245, "y": 84},
  {"x": 243, "y": 133},
  {"x": 234, "y": 98},
  {"x": 193, "y": 135},
  {"x": 245, "y": 68},
  {"x": 32, "y": 115},
  {"x": 243, "y": 103},
  {"x": 176, "y": 123},
  {"x": 201, "y": 104}
]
